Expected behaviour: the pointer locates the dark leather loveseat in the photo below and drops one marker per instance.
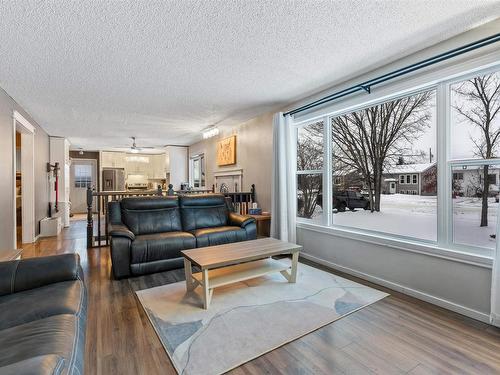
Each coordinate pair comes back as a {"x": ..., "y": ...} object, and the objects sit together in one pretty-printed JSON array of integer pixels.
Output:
[
  {"x": 43, "y": 308},
  {"x": 148, "y": 234}
]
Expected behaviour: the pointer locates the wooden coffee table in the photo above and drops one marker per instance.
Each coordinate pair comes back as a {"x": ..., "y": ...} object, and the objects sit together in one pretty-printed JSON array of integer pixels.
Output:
[{"x": 226, "y": 264}]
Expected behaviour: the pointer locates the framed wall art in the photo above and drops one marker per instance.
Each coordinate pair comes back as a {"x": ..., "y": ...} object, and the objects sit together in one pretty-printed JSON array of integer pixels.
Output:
[{"x": 226, "y": 151}]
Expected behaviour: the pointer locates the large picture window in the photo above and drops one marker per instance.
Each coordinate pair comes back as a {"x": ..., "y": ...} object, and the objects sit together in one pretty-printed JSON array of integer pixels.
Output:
[
  {"x": 423, "y": 166},
  {"x": 381, "y": 151}
]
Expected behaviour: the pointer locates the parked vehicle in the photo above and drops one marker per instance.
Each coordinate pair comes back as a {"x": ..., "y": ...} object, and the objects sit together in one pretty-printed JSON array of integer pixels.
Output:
[{"x": 343, "y": 199}]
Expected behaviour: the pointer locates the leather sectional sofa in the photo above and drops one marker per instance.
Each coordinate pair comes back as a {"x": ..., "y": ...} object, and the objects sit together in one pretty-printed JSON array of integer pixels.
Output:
[
  {"x": 43, "y": 308},
  {"x": 148, "y": 233}
]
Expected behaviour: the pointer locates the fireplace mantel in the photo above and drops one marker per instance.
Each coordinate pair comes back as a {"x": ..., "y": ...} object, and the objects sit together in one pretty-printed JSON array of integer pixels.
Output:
[{"x": 232, "y": 177}]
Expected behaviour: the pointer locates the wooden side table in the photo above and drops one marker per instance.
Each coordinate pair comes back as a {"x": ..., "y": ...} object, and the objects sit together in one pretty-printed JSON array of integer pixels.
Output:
[
  {"x": 263, "y": 225},
  {"x": 10, "y": 254}
]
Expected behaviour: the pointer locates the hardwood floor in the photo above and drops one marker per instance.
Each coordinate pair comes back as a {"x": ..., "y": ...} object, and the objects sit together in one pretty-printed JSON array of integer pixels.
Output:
[{"x": 397, "y": 335}]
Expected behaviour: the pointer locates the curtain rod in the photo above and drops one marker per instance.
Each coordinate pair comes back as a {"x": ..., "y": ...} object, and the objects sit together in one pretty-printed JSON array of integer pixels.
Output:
[{"x": 367, "y": 85}]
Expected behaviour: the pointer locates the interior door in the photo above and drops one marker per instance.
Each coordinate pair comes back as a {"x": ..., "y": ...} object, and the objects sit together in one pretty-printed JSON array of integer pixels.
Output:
[{"x": 83, "y": 175}]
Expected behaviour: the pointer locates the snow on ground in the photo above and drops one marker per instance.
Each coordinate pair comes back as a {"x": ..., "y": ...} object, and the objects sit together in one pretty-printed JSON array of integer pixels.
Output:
[{"x": 415, "y": 216}]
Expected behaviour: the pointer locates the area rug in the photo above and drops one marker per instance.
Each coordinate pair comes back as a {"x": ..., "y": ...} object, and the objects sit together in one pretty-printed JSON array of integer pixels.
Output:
[{"x": 247, "y": 319}]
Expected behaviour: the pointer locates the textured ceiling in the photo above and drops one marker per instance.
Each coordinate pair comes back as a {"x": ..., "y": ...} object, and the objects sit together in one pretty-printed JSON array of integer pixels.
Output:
[{"x": 99, "y": 72}]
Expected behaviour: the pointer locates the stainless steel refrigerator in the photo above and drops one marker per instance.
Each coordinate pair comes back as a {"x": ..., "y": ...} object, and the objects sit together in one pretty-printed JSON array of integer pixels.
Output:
[{"x": 113, "y": 179}]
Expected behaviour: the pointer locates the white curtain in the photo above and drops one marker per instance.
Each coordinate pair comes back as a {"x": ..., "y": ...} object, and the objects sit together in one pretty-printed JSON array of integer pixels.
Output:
[
  {"x": 495, "y": 279},
  {"x": 283, "y": 193}
]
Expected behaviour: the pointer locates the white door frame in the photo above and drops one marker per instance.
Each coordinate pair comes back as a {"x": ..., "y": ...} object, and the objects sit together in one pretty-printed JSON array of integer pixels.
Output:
[
  {"x": 23, "y": 126},
  {"x": 71, "y": 174},
  {"x": 192, "y": 158},
  {"x": 392, "y": 187}
]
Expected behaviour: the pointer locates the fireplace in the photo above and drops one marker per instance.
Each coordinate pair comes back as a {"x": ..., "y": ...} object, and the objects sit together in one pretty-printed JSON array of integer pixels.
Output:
[{"x": 230, "y": 180}]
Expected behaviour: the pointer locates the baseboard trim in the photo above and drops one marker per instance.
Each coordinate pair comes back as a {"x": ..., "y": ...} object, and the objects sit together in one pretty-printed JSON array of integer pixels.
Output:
[
  {"x": 495, "y": 320},
  {"x": 471, "y": 313}
]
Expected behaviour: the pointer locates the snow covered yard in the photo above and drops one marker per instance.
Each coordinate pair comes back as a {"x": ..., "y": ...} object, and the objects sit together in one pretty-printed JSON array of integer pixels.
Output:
[
  {"x": 416, "y": 216},
  {"x": 466, "y": 220}
]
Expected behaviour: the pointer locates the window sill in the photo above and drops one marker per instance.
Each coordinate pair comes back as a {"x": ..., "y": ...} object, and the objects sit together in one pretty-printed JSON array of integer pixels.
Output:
[{"x": 480, "y": 258}]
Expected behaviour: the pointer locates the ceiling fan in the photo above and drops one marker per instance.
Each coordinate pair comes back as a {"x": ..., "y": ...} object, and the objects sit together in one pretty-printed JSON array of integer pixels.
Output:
[{"x": 134, "y": 149}]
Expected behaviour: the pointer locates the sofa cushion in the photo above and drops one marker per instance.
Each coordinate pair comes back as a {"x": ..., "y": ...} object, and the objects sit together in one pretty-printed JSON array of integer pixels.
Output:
[
  {"x": 34, "y": 304},
  {"x": 157, "y": 266},
  {"x": 147, "y": 215},
  {"x": 19, "y": 275},
  {"x": 219, "y": 235},
  {"x": 203, "y": 211},
  {"x": 40, "y": 365},
  {"x": 168, "y": 245},
  {"x": 61, "y": 335}
]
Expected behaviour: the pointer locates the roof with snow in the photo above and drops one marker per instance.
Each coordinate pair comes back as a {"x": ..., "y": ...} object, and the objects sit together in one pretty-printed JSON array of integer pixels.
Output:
[{"x": 408, "y": 168}]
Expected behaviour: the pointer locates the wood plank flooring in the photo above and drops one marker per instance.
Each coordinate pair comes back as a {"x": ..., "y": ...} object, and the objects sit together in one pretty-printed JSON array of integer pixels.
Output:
[{"x": 397, "y": 335}]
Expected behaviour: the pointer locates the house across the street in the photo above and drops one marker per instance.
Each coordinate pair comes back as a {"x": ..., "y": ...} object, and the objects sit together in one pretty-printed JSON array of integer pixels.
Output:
[
  {"x": 413, "y": 179},
  {"x": 421, "y": 179},
  {"x": 468, "y": 180}
]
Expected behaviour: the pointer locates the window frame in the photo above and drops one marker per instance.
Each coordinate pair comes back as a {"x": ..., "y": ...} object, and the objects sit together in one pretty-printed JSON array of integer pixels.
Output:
[
  {"x": 494, "y": 175},
  {"x": 202, "y": 163},
  {"x": 82, "y": 181},
  {"x": 442, "y": 87},
  {"x": 327, "y": 206}
]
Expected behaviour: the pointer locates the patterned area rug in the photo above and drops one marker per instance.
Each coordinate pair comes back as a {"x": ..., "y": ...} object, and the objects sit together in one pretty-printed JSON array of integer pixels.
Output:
[{"x": 247, "y": 319}]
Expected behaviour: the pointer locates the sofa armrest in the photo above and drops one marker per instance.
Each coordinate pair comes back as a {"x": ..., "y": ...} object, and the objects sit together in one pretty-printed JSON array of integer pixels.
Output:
[
  {"x": 120, "y": 230},
  {"x": 120, "y": 256},
  {"x": 240, "y": 220},
  {"x": 24, "y": 274}
]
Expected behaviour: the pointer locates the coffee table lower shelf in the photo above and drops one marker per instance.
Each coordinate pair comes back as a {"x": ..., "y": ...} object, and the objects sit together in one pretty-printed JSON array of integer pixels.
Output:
[{"x": 210, "y": 279}]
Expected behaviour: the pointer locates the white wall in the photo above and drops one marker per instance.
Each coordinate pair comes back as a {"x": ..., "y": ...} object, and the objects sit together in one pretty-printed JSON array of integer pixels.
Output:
[
  {"x": 7, "y": 146},
  {"x": 59, "y": 153},
  {"x": 451, "y": 284},
  {"x": 254, "y": 143},
  {"x": 176, "y": 161}
]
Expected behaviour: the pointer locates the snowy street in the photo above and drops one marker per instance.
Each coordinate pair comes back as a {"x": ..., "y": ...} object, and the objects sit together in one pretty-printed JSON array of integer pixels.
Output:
[{"x": 415, "y": 216}]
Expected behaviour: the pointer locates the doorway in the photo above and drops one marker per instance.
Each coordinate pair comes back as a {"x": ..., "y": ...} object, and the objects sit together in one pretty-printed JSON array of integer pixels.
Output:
[
  {"x": 24, "y": 180},
  {"x": 83, "y": 174},
  {"x": 197, "y": 172}
]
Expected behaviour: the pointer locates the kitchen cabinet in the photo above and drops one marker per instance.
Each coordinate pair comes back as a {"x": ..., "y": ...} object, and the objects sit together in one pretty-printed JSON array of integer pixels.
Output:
[
  {"x": 149, "y": 166},
  {"x": 157, "y": 167},
  {"x": 135, "y": 167},
  {"x": 110, "y": 159}
]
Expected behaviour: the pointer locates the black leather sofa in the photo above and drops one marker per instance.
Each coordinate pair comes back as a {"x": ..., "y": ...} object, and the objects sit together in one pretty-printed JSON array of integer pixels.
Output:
[
  {"x": 43, "y": 309},
  {"x": 148, "y": 233}
]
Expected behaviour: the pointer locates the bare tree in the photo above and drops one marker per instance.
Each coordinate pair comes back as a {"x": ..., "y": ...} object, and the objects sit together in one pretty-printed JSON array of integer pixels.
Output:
[
  {"x": 369, "y": 139},
  {"x": 309, "y": 158},
  {"x": 478, "y": 104}
]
